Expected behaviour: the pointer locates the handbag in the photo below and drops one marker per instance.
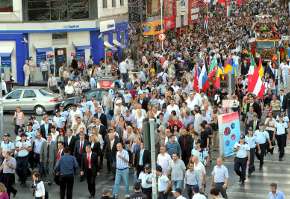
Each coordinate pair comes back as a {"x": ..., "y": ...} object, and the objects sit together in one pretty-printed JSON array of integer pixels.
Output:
[{"x": 56, "y": 179}]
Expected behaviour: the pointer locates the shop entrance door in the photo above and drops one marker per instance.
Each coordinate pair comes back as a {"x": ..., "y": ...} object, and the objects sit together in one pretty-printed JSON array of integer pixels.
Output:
[{"x": 60, "y": 58}]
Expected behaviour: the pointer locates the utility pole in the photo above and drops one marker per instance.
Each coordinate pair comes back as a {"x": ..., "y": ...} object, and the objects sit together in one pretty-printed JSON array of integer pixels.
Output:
[
  {"x": 161, "y": 21},
  {"x": 153, "y": 157},
  {"x": 1, "y": 103}
]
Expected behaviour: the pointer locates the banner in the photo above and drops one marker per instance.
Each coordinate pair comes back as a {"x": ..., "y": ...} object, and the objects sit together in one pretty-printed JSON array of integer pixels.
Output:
[
  {"x": 229, "y": 132},
  {"x": 152, "y": 28}
]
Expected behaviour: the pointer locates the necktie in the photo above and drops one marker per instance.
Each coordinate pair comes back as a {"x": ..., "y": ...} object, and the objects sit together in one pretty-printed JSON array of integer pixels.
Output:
[
  {"x": 89, "y": 161},
  {"x": 81, "y": 148},
  {"x": 58, "y": 155},
  {"x": 48, "y": 146}
]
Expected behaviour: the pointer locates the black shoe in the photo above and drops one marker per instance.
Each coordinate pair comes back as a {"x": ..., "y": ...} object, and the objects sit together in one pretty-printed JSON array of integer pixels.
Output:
[
  {"x": 249, "y": 175},
  {"x": 280, "y": 159},
  {"x": 242, "y": 182},
  {"x": 14, "y": 194}
]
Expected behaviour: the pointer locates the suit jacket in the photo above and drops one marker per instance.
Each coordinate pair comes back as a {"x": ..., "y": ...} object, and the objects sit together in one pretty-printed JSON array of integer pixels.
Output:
[
  {"x": 96, "y": 148},
  {"x": 52, "y": 152},
  {"x": 72, "y": 143},
  {"x": 94, "y": 163},
  {"x": 111, "y": 151},
  {"x": 145, "y": 160},
  {"x": 77, "y": 148},
  {"x": 42, "y": 130},
  {"x": 103, "y": 118},
  {"x": 251, "y": 124}
]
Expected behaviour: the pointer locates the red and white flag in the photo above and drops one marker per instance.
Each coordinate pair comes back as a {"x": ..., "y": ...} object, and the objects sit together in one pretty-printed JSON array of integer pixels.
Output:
[{"x": 256, "y": 85}]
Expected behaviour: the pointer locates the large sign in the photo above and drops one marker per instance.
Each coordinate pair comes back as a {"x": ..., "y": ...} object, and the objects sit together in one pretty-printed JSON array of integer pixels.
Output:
[
  {"x": 229, "y": 132},
  {"x": 152, "y": 28},
  {"x": 193, "y": 12}
]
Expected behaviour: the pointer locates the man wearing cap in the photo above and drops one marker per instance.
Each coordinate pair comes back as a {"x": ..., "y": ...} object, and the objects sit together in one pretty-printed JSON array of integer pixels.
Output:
[
  {"x": 262, "y": 138},
  {"x": 242, "y": 154},
  {"x": 23, "y": 147},
  {"x": 138, "y": 194},
  {"x": 6, "y": 144},
  {"x": 250, "y": 139}
]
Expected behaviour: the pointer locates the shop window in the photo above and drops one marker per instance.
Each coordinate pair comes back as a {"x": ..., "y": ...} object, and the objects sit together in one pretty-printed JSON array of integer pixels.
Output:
[
  {"x": 39, "y": 57},
  {"x": 80, "y": 54},
  {"x": 113, "y": 3},
  {"x": 78, "y": 9},
  {"x": 29, "y": 94},
  {"x": 6, "y": 6},
  {"x": 105, "y": 3},
  {"x": 122, "y": 2}
]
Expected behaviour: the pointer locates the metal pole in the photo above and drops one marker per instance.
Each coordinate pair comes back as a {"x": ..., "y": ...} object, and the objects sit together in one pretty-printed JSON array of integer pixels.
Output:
[
  {"x": 161, "y": 20},
  {"x": 1, "y": 104},
  {"x": 279, "y": 72},
  {"x": 153, "y": 157},
  {"x": 230, "y": 83}
]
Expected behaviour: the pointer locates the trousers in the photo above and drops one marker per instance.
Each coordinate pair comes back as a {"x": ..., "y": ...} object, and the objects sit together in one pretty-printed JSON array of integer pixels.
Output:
[
  {"x": 91, "y": 181},
  {"x": 22, "y": 168},
  {"x": 9, "y": 180},
  {"x": 240, "y": 167},
  {"x": 262, "y": 153},
  {"x": 252, "y": 160},
  {"x": 281, "y": 142},
  {"x": 220, "y": 189},
  {"x": 121, "y": 174},
  {"x": 66, "y": 184}
]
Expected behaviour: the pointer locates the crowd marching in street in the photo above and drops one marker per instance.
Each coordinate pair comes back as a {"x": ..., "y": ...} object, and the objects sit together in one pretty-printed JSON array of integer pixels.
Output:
[{"x": 181, "y": 89}]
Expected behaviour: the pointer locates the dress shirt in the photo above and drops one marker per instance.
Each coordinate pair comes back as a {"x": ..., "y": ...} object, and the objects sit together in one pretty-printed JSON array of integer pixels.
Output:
[
  {"x": 37, "y": 145},
  {"x": 145, "y": 178},
  {"x": 120, "y": 163},
  {"x": 281, "y": 128},
  {"x": 220, "y": 173},
  {"x": 261, "y": 136},
  {"x": 251, "y": 141},
  {"x": 23, "y": 152},
  {"x": 278, "y": 195},
  {"x": 242, "y": 151},
  {"x": 141, "y": 157},
  {"x": 7, "y": 146},
  {"x": 191, "y": 178},
  {"x": 68, "y": 139},
  {"x": 89, "y": 156}
]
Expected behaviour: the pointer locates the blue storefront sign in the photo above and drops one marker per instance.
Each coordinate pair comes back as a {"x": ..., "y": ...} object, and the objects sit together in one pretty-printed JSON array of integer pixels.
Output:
[{"x": 6, "y": 61}]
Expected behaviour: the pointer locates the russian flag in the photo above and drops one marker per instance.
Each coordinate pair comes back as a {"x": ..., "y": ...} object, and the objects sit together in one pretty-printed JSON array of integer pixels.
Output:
[{"x": 203, "y": 83}]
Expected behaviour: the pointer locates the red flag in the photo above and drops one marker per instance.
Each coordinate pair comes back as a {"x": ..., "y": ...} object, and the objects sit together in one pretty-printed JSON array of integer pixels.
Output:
[
  {"x": 212, "y": 73},
  {"x": 262, "y": 91},
  {"x": 253, "y": 80},
  {"x": 195, "y": 80}
]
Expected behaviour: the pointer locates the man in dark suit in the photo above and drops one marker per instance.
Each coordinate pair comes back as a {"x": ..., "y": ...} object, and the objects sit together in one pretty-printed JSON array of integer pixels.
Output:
[
  {"x": 142, "y": 158},
  {"x": 48, "y": 157},
  {"x": 253, "y": 124},
  {"x": 90, "y": 169},
  {"x": 110, "y": 149},
  {"x": 45, "y": 128},
  {"x": 100, "y": 115},
  {"x": 70, "y": 140},
  {"x": 80, "y": 147}
]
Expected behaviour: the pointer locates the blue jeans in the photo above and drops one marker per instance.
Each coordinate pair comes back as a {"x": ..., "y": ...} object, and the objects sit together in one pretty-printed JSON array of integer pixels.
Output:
[
  {"x": 177, "y": 184},
  {"x": 121, "y": 174}
]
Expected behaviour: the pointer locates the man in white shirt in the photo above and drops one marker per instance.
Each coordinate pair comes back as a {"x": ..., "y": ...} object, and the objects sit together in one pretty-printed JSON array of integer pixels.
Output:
[
  {"x": 285, "y": 71},
  {"x": 220, "y": 176},
  {"x": 123, "y": 68},
  {"x": 164, "y": 159},
  {"x": 44, "y": 69},
  {"x": 178, "y": 194},
  {"x": 163, "y": 183}
]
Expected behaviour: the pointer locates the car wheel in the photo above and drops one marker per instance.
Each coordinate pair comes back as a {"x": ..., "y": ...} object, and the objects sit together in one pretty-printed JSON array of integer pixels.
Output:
[{"x": 39, "y": 110}]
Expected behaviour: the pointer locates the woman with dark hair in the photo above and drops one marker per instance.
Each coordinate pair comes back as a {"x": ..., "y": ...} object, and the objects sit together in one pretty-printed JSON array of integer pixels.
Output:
[{"x": 38, "y": 186}]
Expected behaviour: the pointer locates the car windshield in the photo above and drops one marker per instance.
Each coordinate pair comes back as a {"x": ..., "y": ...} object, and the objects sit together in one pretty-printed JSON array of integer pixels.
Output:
[{"x": 46, "y": 92}]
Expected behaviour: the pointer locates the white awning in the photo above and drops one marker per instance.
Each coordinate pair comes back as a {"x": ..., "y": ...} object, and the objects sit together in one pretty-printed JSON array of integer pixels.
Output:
[
  {"x": 80, "y": 46},
  {"x": 117, "y": 43},
  {"x": 108, "y": 45},
  {"x": 6, "y": 50}
]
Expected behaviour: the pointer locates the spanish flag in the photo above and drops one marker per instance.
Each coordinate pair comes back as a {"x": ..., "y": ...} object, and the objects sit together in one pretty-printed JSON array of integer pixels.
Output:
[
  {"x": 261, "y": 68},
  {"x": 228, "y": 67}
]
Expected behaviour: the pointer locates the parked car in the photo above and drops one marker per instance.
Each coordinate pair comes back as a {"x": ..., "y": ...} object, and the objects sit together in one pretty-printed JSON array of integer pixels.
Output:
[
  {"x": 93, "y": 93},
  {"x": 37, "y": 100}
]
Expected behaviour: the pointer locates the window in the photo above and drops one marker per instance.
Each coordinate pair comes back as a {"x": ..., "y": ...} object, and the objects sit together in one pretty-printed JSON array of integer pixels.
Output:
[
  {"x": 14, "y": 95},
  {"x": 29, "y": 94},
  {"x": 59, "y": 38},
  {"x": 46, "y": 92},
  {"x": 121, "y": 2},
  {"x": 113, "y": 3},
  {"x": 6, "y": 6},
  {"x": 105, "y": 3},
  {"x": 52, "y": 10}
]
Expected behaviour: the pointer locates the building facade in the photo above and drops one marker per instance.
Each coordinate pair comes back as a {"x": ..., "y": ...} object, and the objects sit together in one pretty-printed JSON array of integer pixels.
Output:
[{"x": 59, "y": 31}]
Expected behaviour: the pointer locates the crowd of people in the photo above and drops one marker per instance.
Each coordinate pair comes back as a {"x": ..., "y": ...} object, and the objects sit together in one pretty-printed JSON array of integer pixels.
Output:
[{"x": 80, "y": 140}]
